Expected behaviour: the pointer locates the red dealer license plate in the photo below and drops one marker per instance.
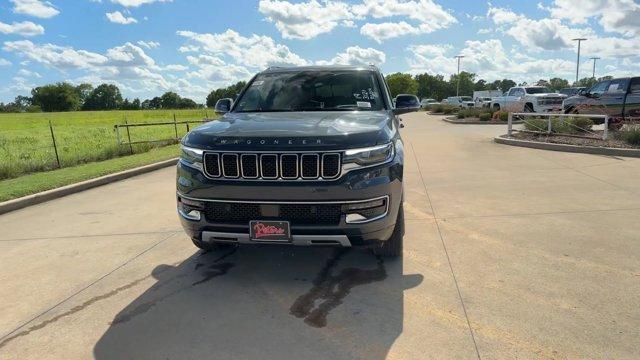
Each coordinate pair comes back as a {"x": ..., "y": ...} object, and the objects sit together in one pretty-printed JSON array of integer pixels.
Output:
[{"x": 269, "y": 231}]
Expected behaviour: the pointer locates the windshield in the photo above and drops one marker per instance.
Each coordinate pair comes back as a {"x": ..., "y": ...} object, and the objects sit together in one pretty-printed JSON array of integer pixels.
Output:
[
  {"x": 465, "y": 98},
  {"x": 341, "y": 90},
  {"x": 406, "y": 101},
  {"x": 538, "y": 90}
]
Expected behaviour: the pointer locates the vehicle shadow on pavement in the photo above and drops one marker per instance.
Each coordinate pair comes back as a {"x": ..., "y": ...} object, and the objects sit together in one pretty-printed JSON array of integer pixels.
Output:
[{"x": 265, "y": 302}]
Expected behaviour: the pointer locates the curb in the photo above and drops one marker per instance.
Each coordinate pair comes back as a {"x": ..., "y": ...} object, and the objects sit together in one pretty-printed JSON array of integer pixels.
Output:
[
  {"x": 452, "y": 120},
  {"x": 568, "y": 148},
  {"x": 41, "y": 197}
]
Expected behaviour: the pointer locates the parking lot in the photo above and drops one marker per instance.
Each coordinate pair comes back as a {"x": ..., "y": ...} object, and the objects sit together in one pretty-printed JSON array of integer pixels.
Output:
[{"x": 509, "y": 252}]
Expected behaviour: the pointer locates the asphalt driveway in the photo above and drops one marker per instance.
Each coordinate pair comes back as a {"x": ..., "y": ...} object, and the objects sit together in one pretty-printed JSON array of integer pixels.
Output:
[{"x": 509, "y": 252}]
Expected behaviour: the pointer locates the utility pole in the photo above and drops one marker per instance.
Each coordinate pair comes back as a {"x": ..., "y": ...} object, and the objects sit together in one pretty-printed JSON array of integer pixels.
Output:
[
  {"x": 458, "y": 87},
  {"x": 593, "y": 75},
  {"x": 579, "y": 40}
]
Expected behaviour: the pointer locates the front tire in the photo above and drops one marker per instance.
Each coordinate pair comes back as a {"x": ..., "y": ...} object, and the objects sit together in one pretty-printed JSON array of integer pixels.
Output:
[
  {"x": 496, "y": 107},
  {"x": 393, "y": 246}
]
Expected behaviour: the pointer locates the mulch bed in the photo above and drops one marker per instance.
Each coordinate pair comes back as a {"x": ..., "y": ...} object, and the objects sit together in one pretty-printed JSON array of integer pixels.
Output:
[{"x": 612, "y": 142}]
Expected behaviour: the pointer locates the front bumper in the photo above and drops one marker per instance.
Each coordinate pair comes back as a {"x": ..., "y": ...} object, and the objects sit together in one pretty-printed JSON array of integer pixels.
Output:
[{"x": 383, "y": 181}]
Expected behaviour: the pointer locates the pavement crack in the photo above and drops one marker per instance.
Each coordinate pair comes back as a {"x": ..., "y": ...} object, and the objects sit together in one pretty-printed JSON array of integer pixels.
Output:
[{"x": 446, "y": 252}]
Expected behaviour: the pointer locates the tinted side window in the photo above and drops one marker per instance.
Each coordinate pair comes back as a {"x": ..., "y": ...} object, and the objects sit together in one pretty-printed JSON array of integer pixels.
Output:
[
  {"x": 635, "y": 86},
  {"x": 617, "y": 86},
  {"x": 513, "y": 92}
]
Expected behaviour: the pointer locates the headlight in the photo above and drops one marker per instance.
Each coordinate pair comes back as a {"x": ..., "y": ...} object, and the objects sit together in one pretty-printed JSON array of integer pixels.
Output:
[
  {"x": 369, "y": 156},
  {"x": 191, "y": 157}
]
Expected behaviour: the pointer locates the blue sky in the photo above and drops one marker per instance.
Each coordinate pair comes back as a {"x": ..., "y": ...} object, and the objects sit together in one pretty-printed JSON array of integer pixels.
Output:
[{"x": 148, "y": 47}]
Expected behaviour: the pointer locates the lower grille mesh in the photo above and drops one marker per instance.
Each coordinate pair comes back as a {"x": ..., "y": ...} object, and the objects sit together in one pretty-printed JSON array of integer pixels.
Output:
[{"x": 297, "y": 214}]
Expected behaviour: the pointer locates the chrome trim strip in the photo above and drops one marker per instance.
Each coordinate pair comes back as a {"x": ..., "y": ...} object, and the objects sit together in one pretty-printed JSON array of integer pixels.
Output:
[
  {"x": 277, "y": 168},
  {"x": 242, "y": 167},
  {"x": 286, "y": 202},
  {"x": 317, "y": 175},
  {"x": 300, "y": 240},
  {"x": 237, "y": 167},
  {"x": 297, "y": 168}
]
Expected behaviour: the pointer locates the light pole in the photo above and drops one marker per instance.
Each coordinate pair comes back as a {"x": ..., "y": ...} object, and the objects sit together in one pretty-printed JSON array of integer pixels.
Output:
[
  {"x": 458, "y": 87},
  {"x": 593, "y": 75},
  {"x": 579, "y": 40}
]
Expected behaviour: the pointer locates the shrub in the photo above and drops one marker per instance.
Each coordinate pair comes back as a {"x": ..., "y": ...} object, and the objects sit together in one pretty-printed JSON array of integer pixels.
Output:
[
  {"x": 449, "y": 110},
  {"x": 576, "y": 125},
  {"x": 631, "y": 136},
  {"x": 460, "y": 115},
  {"x": 485, "y": 116},
  {"x": 437, "y": 109},
  {"x": 500, "y": 115}
]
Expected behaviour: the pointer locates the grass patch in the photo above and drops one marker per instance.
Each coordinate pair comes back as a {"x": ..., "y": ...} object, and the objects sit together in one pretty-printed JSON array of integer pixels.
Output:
[
  {"x": 631, "y": 136},
  {"x": 576, "y": 125},
  {"x": 34, "y": 183},
  {"x": 81, "y": 136}
]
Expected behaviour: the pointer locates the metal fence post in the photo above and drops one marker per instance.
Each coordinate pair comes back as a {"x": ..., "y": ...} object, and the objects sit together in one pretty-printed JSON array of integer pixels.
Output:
[
  {"x": 605, "y": 133},
  {"x": 549, "y": 129},
  {"x": 128, "y": 136},
  {"x": 55, "y": 146},
  {"x": 510, "y": 124}
]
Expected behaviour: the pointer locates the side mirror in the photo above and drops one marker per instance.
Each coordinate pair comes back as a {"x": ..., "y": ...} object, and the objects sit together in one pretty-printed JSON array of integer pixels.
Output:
[{"x": 223, "y": 106}]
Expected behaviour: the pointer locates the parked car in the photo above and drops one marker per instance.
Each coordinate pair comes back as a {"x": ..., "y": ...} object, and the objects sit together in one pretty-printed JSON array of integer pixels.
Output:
[
  {"x": 444, "y": 102},
  {"x": 537, "y": 99},
  {"x": 428, "y": 102},
  {"x": 461, "y": 101},
  {"x": 618, "y": 98},
  {"x": 572, "y": 91},
  {"x": 483, "y": 102},
  {"x": 305, "y": 156},
  {"x": 407, "y": 101}
]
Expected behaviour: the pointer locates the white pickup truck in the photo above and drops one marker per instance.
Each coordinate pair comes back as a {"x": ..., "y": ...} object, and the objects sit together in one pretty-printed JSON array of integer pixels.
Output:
[{"x": 537, "y": 99}]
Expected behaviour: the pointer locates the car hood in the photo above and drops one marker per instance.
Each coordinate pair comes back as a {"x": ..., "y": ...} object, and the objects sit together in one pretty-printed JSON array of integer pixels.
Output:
[{"x": 309, "y": 130}]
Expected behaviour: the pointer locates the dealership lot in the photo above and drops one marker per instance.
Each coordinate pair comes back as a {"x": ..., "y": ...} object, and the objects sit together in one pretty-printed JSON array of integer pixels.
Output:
[{"x": 509, "y": 252}]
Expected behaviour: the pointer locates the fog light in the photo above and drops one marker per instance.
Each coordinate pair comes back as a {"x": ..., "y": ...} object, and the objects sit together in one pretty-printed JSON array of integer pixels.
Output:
[
  {"x": 190, "y": 214},
  {"x": 190, "y": 209},
  {"x": 365, "y": 211}
]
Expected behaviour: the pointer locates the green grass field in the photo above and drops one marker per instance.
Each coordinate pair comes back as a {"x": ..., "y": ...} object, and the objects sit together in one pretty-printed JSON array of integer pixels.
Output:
[{"x": 26, "y": 145}]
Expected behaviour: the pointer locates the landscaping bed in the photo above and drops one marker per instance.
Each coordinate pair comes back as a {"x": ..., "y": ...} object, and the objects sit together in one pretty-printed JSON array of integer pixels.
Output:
[{"x": 613, "y": 142}]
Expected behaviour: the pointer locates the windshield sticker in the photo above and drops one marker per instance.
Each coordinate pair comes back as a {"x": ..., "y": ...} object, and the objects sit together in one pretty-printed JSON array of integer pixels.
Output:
[
  {"x": 257, "y": 83},
  {"x": 366, "y": 94},
  {"x": 363, "y": 104}
]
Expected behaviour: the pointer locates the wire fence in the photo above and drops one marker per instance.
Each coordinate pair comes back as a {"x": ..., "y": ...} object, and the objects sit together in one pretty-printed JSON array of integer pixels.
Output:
[{"x": 35, "y": 145}]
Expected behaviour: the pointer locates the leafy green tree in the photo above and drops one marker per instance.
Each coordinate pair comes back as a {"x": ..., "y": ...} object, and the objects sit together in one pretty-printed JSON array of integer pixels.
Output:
[
  {"x": 506, "y": 84},
  {"x": 170, "y": 100},
  {"x": 61, "y": 96},
  {"x": 186, "y": 103},
  {"x": 558, "y": 83},
  {"x": 228, "y": 92},
  {"x": 466, "y": 83},
  {"x": 400, "y": 83},
  {"x": 84, "y": 90},
  {"x": 155, "y": 103},
  {"x": 104, "y": 97},
  {"x": 586, "y": 82}
]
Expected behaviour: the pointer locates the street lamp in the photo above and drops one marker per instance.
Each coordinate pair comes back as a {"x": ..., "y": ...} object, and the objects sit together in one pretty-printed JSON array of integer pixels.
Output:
[
  {"x": 579, "y": 40},
  {"x": 594, "y": 66},
  {"x": 458, "y": 87}
]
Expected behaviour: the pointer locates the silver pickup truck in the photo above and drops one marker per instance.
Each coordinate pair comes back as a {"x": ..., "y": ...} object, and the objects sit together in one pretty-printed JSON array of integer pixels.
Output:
[{"x": 537, "y": 99}]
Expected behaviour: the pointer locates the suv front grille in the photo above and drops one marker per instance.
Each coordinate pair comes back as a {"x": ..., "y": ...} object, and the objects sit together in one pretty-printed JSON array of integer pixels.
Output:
[
  {"x": 296, "y": 214},
  {"x": 285, "y": 166}
]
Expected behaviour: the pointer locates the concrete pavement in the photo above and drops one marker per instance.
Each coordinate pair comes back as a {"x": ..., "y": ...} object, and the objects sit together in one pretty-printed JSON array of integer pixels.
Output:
[{"x": 509, "y": 253}]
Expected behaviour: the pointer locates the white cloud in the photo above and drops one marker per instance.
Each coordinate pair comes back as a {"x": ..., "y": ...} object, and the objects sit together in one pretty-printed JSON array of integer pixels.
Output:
[
  {"x": 5, "y": 62},
  {"x": 256, "y": 51},
  {"x": 136, "y": 3},
  {"x": 28, "y": 73},
  {"x": 175, "y": 67},
  {"x": 148, "y": 44},
  {"x": 621, "y": 16},
  {"x": 24, "y": 28},
  {"x": 37, "y": 8},
  {"x": 544, "y": 34},
  {"x": 488, "y": 60},
  {"x": 389, "y": 30},
  {"x": 426, "y": 12},
  {"x": 355, "y": 55},
  {"x": 305, "y": 20},
  {"x": 118, "y": 18},
  {"x": 54, "y": 56}
]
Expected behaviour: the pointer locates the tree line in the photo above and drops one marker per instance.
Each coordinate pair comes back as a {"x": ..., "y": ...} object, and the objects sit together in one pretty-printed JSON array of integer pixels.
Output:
[
  {"x": 437, "y": 87},
  {"x": 63, "y": 96},
  {"x": 67, "y": 97}
]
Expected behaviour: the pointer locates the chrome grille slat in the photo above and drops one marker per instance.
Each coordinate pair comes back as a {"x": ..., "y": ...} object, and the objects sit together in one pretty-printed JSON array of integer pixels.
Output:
[{"x": 285, "y": 166}]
